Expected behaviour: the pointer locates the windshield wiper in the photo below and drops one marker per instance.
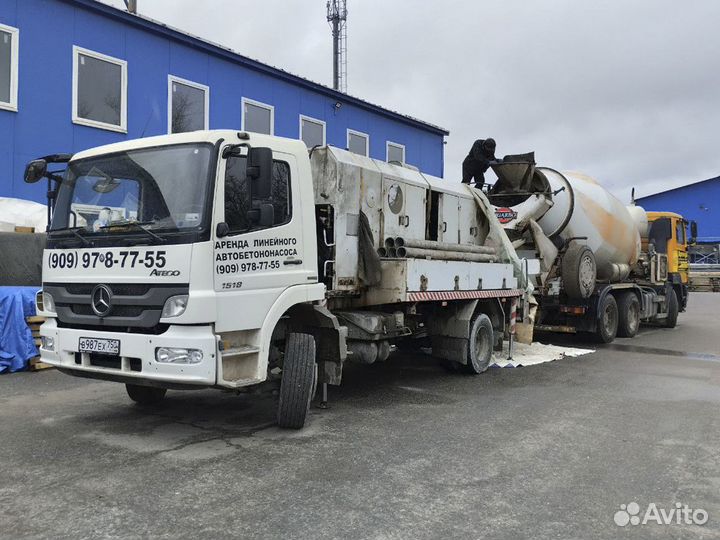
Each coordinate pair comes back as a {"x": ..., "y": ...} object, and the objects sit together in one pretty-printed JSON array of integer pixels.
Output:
[
  {"x": 75, "y": 231},
  {"x": 137, "y": 225}
]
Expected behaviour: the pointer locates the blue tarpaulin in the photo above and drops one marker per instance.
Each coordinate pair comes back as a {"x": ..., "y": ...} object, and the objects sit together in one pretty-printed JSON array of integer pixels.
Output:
[{"x": 16, "y": 341}]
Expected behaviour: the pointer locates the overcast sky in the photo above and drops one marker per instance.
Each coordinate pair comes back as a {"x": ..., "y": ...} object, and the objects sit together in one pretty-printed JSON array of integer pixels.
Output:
[{"x": 627, "y": 91}]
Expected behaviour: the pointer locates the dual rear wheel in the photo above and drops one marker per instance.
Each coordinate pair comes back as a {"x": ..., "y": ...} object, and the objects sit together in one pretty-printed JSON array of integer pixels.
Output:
[{"x": 619, "y": 315}]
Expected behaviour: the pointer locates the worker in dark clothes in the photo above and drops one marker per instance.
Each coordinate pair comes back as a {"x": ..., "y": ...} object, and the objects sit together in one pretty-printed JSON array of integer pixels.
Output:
[{"x": 481, "y": 155}]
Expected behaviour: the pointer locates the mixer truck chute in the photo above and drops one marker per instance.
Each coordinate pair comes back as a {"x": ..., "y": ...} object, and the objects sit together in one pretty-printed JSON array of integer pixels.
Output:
[{"x": 603, "y": 269}]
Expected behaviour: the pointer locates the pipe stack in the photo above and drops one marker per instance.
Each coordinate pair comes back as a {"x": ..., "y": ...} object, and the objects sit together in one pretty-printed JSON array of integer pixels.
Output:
[{"x": 429, "y": 249}]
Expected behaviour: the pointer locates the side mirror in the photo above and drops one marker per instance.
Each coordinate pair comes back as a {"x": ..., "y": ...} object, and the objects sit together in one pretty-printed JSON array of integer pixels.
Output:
[
  {"x": 259, "y": 171},
  {"x": 693, "y": 232},
  {"x": 222, "y": 229},
  {"x": 35, "y": 171},
  {"x": 263, "y": 216}
]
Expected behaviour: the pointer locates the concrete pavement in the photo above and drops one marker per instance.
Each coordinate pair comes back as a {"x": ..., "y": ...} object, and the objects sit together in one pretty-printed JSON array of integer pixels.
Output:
[{"x": 405, "y": 451}]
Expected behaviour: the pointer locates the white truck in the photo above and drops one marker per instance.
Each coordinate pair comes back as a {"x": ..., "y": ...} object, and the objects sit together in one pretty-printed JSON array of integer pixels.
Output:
[{"x": 230, "y": 259}]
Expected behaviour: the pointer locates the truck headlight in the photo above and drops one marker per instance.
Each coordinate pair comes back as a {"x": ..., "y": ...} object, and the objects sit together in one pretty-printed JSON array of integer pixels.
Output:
[
  {"x": 44, "y": 302},
  {"x": 174, "y": 355},
  {"x": 175, "y": 306},
  {"x": 47, "y": 343}
]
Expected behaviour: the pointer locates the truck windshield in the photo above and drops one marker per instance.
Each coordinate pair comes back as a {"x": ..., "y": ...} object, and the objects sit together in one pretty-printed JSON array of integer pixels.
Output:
[{"x": 160, "y": 188}]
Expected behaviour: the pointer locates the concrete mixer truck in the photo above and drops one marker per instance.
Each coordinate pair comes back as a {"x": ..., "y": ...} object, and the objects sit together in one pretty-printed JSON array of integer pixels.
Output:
[
  {"x": 239, "y": 260},
  {"x": 603, "y": 266}
]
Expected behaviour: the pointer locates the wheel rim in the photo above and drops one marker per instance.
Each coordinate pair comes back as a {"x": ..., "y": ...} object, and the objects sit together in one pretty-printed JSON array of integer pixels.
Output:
[
  {"x": 482, "y": 343},
  {"x": 633, "y": 317},
  {"x": 586, "y": 273},
  {"x": 609, "y": 319}
]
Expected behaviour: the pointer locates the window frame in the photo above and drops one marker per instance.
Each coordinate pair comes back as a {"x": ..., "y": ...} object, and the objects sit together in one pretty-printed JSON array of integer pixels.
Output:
[
  {"x": 314, "y": 121},
  {"x": 122, "y": 128},
  {"x": 360, "y": 134},
  {"x": 192, "y": 84},
  {"x": 12, "y": 105},
  {"x": 262, "y": 105},
  {"x": 388, "y": 144}
]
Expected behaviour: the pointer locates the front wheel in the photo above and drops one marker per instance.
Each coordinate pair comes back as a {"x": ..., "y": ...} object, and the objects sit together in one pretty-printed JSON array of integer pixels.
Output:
[
  {"x": 673, "y": 308},
  {"x": 299, "y": 378},
  {"x": 607, "y": 322},
  {"x": 145, "y": 395}
]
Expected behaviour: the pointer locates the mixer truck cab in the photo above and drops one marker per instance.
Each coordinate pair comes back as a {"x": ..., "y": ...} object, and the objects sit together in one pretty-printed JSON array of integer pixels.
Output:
[
  {"x": 239, "y": 260},
  {"x": 668, "y": 233},
  {"x": 604, "y": 269}
]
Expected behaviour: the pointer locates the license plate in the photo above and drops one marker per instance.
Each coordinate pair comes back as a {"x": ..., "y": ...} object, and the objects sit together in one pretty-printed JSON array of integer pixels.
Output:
[{"x": 102, "y": 346}]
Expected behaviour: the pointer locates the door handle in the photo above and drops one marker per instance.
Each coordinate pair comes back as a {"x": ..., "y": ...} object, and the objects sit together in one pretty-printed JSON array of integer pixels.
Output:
[
  {"x": 444, "y": 226},
  {"x": 292, "y": 261}
]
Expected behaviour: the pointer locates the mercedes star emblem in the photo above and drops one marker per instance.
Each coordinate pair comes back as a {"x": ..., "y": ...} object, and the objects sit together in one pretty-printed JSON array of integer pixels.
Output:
[{"x": 101, "y": 300}]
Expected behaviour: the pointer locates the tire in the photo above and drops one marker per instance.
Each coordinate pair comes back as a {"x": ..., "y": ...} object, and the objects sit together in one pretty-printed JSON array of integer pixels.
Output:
[
  {"x": 299, "y": 378},
  {"x": 628, "y": 314},
  {"x": 481, "y": 344},
  {"x": 145, "y": 395},
  {"x": 578, "y": 271},
  {"x": 607, "y": 322},
  {"x": 672, "y": 309}
]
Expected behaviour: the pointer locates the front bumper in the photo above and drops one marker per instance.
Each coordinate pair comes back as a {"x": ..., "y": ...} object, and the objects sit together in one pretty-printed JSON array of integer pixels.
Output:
[{"x": 137, "y": 355}]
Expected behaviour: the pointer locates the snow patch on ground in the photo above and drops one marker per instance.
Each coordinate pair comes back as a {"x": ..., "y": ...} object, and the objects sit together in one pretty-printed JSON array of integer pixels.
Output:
[{"x": 537, "y": 353}]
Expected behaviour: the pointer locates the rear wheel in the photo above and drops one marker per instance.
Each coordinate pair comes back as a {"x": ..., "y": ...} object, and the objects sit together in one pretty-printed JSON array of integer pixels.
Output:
[
  {"x": 481, "y": 345},
  {"x": 578, "y": 271},
  {"x": 145, "y": 395},
  {"x": 673, "y": 308},
  {"x": 607, "y": 322},
  {"x": 299, "y": 379},
  {"x": 628, "y": 314}
]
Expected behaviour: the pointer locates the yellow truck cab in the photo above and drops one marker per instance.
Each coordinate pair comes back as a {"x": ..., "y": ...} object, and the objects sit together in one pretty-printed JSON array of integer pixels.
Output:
[{"x": 668, "y": 232}]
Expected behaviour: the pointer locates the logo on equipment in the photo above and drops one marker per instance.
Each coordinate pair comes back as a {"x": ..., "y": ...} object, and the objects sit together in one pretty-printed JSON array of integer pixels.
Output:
[
  {"x": 101, "y": 300},
  {"x": 505, "y": 215}
]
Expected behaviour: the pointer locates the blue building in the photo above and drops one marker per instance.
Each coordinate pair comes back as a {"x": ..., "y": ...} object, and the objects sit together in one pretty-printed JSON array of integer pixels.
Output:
[
  {"x": 699, "y": 202},
  {"x": 77, "y": 73}
]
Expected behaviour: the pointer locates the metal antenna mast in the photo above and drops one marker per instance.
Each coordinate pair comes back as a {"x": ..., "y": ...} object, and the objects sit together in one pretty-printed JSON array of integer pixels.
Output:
[
  {"x": 131, "y": 5},
  {"x": 337, "y": 17}
]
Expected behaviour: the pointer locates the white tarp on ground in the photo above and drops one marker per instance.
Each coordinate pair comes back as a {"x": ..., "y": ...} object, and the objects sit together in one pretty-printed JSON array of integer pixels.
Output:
[
  {"x": 21, "y": 213},
  {"x": 537, "y": 353}
]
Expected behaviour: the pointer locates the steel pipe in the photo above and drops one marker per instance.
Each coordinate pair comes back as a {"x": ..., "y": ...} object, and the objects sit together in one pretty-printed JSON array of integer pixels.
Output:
[
  {"x": 444, "y": 246},
  {"x": 389, "y": 242},
  {"x": 437, "y": 254}
]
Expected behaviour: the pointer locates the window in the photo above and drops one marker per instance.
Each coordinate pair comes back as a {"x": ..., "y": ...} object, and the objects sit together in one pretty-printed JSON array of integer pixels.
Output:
[
  {"x": 99, "y": 90},
  {"x": 258, "y": 117},
  {"x": 164, "y": 187},
  {"x": 9, "y": 42},
  {"x": 243, "y": 214},
  {"x": 188, "y": 105},
  {"x": 395, "y": 153},
  {"x": 680, "y": 231},
  {"x": 312, "y": 132},
  {"x": 357, "y": 142}
]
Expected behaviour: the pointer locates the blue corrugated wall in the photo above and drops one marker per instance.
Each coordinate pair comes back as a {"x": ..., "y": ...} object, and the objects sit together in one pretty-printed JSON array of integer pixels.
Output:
[
  {"x": 699, "y": 202},
  {"x": 43, "y": 123}
]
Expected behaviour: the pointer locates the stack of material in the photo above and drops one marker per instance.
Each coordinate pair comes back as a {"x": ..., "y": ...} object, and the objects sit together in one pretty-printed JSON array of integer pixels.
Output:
[
  {"x": 34, "y": 322},
  {"x": 705, "y": 281}
]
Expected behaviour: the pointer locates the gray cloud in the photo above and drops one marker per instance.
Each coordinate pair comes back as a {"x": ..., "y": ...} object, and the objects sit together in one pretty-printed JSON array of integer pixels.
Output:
[{"x": 626, "y": 91}]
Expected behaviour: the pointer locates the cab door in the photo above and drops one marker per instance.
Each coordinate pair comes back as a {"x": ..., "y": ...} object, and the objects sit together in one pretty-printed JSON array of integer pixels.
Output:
[
  {"x": 260, "y": 250},
  {"x": 680, "y": 249}
]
